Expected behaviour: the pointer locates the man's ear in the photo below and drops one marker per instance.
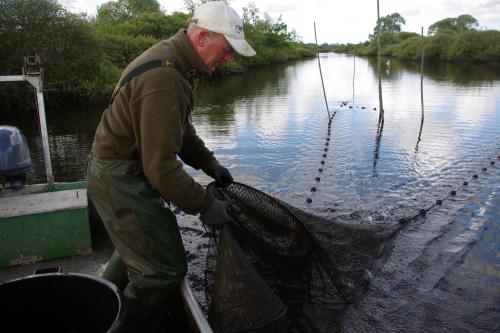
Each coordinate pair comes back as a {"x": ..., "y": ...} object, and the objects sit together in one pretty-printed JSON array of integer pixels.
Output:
[{"x": 202, "y": 38}]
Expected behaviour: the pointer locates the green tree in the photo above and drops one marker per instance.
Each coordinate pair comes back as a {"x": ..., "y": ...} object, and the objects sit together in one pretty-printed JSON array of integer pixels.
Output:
[
  {"x": 192, "y": 4},
  {"x": 390, "y": 26},
  {"x": 271, "y": 39},
  {"x": 251, "y": 14},
  {"x": 113, "y": 11},
  {"x": 466, "y": 22},
  {"x": 454, "y": 25},
  {"x": 131, "y": 33},
  {"x": 143, "y": 6},
  {"x": 65, "y": 42},
  {"x": 475, "y": 47},
  {"x": 121, "y": 10},
  {"x": 176, "y": 21},
  {"x": 151, "y": 24},
  {"x": 392, "y": 23}
]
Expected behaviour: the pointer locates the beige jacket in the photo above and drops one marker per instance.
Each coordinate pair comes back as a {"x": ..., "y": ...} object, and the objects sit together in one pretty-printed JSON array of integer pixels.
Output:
[{"x": 150, "y": 121}]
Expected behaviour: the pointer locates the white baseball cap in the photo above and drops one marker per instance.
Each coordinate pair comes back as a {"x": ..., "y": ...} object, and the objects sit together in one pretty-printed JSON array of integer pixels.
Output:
[{"x": 218, "y": 17}]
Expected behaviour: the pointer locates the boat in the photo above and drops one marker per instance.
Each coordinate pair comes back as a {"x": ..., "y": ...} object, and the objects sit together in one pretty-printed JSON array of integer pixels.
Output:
[
  {"x": 46, "y": 227},
  {"x": 43, "y": 221}
]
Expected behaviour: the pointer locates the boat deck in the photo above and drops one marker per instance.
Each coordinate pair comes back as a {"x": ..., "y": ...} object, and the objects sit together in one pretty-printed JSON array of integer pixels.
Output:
[{"x": 92, "y": 263}]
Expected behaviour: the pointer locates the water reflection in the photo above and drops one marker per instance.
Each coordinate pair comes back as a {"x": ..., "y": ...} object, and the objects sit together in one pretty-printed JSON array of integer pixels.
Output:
[
  {"x": 420, "y": 131},
  {"x": 378, "y": 140},
  {"x": 463, "y": 74},
  {"x": 422, "y": 104},
  {"x": 230, "y": 90},
  {"x": 71, "y": 132}
]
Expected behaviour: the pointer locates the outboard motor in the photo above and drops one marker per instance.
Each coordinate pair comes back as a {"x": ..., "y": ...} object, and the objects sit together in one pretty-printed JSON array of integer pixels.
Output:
[{"x": 15, "y": 161}]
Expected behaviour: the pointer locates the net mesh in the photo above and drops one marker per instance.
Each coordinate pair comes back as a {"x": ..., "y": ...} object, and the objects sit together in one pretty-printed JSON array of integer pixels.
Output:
[{"x": 276, "y": 267}]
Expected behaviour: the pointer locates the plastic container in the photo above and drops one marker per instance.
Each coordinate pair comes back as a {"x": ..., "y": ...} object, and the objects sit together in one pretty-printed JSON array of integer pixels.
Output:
[{"x": 61, "y": 302}]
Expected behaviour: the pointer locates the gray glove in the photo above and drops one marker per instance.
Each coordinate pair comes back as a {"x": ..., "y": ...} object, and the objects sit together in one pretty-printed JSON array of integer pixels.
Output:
[
  {"x": 221, "y": 175},
  {"x": 216, "y": 213}
]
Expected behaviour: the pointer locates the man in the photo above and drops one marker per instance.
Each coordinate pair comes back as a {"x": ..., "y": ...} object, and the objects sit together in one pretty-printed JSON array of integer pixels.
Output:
[{"x": 133, "y": 164}]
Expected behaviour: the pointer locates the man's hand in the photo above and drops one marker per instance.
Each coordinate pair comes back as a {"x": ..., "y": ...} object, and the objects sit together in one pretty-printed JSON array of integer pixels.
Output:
[
  {"x": 221, "y": 175},
  {"x": 215, "y": 214}
]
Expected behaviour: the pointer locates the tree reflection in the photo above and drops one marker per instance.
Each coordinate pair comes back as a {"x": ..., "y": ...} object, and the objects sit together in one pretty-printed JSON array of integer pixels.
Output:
[
  {"x": 216, "y": 100},
  {"x": 463, "y": 74}
]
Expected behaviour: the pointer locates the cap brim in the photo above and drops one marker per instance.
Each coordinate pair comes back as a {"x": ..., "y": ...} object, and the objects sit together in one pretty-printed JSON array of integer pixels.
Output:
[{"x": 241, "y": 46}]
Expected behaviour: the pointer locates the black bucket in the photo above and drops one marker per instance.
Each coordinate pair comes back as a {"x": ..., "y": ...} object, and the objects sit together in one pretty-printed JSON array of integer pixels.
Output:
[{"x": 61, "y": 302}]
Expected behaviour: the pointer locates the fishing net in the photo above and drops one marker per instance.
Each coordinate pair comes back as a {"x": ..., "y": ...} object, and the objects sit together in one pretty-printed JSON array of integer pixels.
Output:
[{"x": 277, "y": 268}]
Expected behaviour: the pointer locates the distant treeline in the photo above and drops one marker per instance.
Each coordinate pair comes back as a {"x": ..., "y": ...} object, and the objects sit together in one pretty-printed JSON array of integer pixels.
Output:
[
  {"x": 84, "y": 56},
  {"x": 454, "y": 40}
]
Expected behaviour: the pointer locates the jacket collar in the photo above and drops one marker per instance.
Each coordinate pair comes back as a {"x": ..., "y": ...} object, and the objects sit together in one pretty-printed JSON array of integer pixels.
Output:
[{"x": 187, "y": 61}]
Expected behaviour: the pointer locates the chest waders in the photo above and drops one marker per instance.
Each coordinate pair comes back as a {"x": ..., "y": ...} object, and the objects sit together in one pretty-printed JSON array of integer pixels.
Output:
[{"x": 149, "y": 262}]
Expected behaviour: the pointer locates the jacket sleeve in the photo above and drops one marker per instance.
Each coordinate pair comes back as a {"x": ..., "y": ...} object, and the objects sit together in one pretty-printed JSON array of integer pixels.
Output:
[
  {"x": 194, "y": 152},
  {"x": 159, "y": 115}
]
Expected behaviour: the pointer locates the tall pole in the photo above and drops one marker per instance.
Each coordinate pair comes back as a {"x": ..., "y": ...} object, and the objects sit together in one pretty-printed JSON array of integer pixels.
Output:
[
  {"x": 381, "y": 106},
  {"x": 320, "y": 73},
  {"x": 422, "y": 74},
  {"x": 421, "y": 91},
  {"x": 353, "y": 75},
  {"x": 35, "y": 80},
  {"x": 45, "y": 135}
]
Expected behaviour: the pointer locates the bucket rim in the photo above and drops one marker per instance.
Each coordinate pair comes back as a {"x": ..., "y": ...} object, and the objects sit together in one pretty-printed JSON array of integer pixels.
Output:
[{"x": 122, "y": 308}]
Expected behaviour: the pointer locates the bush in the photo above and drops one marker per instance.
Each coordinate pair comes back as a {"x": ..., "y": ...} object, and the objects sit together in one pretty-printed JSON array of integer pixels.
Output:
[
  {"x": 66, "y": 42},
  {"x": 103, "y": 83},
  {"x": 452, "y": 39},
  {"x": 437, "y": 46},
  {"x": 151, "y": 24},
  {"x": 410, "y": 49},
  {"x": 124, "y": 48},
  {"x": 388, "y": 50},
  {"x": 84, "y": 57},
  {"x": 475, "y": 47},
  {"x": 304, "y": 51},
  {"x": 370, "y": 49},
  {"x": 404, "y": 35}
]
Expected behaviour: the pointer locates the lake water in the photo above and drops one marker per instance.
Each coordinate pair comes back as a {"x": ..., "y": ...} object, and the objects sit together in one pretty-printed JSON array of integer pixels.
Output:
[{"x": 270, "y": 128}]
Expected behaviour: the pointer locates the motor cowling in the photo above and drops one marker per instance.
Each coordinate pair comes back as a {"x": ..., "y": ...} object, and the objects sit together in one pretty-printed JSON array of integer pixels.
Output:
[{"x": 15, "y": 161}]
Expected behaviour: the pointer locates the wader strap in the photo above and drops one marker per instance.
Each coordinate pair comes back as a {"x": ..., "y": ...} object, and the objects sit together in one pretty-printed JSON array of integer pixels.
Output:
[{"x": 146, "y": 67}]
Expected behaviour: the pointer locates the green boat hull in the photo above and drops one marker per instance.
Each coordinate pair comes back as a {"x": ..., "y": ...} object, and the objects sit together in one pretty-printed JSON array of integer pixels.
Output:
[{"x": 43, "y": 225}]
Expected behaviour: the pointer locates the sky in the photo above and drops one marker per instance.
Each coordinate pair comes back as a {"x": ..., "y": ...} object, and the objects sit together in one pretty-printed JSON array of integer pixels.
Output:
[{"x": 349, "y": 21}]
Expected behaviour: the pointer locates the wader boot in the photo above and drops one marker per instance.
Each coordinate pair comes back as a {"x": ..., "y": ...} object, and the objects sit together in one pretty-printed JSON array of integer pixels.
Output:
[
  {"x": 145, "y": 235},
  {"x": 116, "y": 271}
]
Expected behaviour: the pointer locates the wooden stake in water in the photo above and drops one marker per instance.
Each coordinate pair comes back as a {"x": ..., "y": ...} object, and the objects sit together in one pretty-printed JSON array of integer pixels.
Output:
[
  {"x": 320, "y": 73},
  {"x": 421, "y": 91},
  {"x": 422, "y": 75},
  {"x": 353, "y": 75},
  {"x": 379, "y": 65}
]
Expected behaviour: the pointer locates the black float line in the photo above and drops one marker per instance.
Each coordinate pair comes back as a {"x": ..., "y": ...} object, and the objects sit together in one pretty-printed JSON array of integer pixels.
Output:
[
  {"x": 439, "y": 202},
  {"x": 422, "y": 211},
  {"x": 324, "y": 155},
  {"x": 327, "y": 144},
  {"x": 345, "y": 104}
]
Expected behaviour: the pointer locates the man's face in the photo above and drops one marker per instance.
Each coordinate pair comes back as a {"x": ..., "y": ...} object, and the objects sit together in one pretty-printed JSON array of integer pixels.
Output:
[{"x": 215, "y": 51}]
